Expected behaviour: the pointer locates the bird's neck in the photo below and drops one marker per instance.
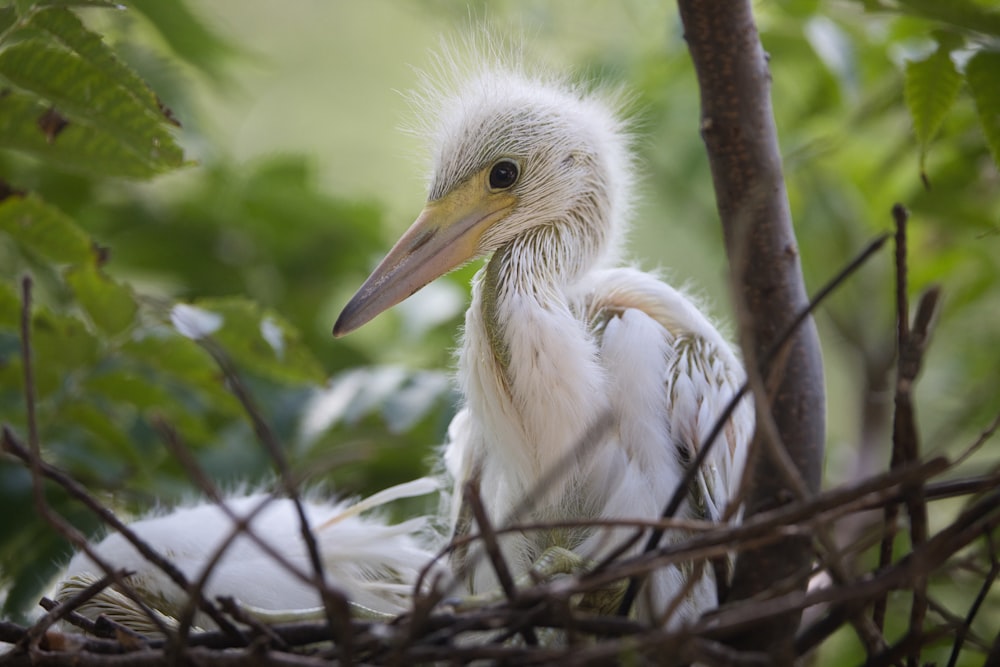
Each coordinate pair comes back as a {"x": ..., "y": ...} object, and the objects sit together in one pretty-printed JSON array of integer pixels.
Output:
[
  {"x": 529, "y": 362},
  {"x": 533, "y": 271}
]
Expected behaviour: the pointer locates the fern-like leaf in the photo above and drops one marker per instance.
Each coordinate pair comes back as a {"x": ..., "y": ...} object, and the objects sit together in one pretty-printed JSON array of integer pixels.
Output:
[
  {"x": 931, "y": 86},
  {"x": 983, "y": 76}
]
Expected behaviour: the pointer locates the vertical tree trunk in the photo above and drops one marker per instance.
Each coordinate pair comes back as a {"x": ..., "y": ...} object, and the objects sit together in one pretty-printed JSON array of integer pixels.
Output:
[{"x": 737, "y": 125}]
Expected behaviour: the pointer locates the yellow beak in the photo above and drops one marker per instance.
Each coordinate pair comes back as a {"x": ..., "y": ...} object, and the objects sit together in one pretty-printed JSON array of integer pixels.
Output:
[{"x": 444, "y": 236}]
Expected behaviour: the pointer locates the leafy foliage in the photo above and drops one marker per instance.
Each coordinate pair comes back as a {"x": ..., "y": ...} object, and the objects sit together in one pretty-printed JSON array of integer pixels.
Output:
[
  {"x": 933, "y": 83},
  {"x": 74, "y": 103},
  {"x": 866, "y": 95},
  {"x": 931, "y": 87},
  {"x": 111, "y": 353},
  {"x": 983, "y": 75}
]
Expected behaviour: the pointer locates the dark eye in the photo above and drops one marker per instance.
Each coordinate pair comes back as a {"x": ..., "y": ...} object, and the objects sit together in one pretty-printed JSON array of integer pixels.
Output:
[{"x": 503, "y": 175}]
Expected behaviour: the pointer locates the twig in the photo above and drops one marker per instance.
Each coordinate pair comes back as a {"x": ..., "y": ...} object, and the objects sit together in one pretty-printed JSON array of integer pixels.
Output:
[
  {"x": 489, "y": 537},
  {"x": 911, "y": 344},
  {"x": 79, "y": 620},
  {"x": 590, "y": 439},
  {"x": 32, "y": 454},
  {"x": 61, "y": 610},
  {"x": 471, "y": 496},
  {"x": 335, "y": 607},
  {"x": 768, "y": 435},
  {"x": 983, "y": 515},
  {"x": 233, "y": 609},
  {"x": 984, "y": 436},
  {"x": 13, "y": 445},
  {"x": 683, "y": 486},
  {"x": 963, "y": 629},
  {"x": 241, "y": 523},
  {"x": 27, "y": 359},
  {"x": 909, "y": 644}
]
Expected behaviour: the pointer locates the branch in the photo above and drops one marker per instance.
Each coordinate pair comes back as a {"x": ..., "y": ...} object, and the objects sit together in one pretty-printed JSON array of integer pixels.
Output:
[{"x": 738, "y": 128}]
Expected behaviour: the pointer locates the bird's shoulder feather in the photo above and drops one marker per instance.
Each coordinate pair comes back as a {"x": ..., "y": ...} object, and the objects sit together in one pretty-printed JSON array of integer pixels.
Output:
[{"x": 701, "y": 373}]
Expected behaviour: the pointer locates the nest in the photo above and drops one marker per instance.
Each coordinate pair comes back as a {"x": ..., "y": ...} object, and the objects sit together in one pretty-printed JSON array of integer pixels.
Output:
[{"x": 874, "y": 572}]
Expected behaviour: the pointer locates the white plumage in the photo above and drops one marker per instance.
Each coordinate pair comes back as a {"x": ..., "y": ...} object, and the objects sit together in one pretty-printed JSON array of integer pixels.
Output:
[
  {"x": 536, "y": 173},
  {"x": 374, "y": 563}
]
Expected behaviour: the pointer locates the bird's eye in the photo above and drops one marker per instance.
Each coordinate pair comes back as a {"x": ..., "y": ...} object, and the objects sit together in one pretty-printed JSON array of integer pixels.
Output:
[{"x": 503, "y": 175}]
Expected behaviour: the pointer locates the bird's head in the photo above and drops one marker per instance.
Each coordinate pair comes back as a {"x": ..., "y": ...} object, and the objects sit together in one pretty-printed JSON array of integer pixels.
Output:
[{"x": 512, "y": 154}]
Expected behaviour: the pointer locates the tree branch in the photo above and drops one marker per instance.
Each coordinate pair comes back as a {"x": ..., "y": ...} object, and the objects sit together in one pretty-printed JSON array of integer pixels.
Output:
[{"x": 737, "y": 125}]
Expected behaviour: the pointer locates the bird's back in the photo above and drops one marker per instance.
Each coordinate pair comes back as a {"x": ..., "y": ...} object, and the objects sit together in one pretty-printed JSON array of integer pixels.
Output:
[{"x": 665, "y": 374}]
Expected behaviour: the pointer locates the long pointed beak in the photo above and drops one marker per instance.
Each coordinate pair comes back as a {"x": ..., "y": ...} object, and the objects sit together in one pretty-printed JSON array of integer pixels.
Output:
[{"x": 444, "y": 236}]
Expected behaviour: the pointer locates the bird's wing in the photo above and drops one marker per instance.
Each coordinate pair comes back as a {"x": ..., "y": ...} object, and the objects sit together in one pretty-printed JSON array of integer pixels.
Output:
[{"x": 701, "y": 374}]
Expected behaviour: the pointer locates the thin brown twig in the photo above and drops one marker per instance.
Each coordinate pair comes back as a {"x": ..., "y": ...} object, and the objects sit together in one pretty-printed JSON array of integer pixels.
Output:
[
  {"x": 591, "y": 439},
  {"x": 27, "y": 363},
  {"x": 240, "y": 524},
  {"x": 101, "y": 627},
  {"x": 768, "y": 434},
  {"x": 61, "y": 610},
  {"x": 489, "y": 539},
  {"x": 983, "y": 438},
  {"x": 230, "y": 606},
  {"x": 964, "y": 628},
  {"x": 908, "y": 645},
  {"x": 335, "y": 607},
  {"x": 910, "y": 347},
  {"x": 11, "y": 444},
  {"x": 88, "y": 625},
  {"x": 982, "y": 515},
  {"x": 32, "y": 454},
  {"x": 681, "y": 491},
  {"x": 493, "y": 551}
]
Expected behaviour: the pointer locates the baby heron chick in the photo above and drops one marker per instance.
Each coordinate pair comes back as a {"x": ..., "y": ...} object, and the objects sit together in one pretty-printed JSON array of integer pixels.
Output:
[{"x": 560, "y": 341}]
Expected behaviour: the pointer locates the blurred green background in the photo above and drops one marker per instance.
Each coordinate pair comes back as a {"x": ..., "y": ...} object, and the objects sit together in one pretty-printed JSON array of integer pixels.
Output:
[{"x": 301, "y": 176}]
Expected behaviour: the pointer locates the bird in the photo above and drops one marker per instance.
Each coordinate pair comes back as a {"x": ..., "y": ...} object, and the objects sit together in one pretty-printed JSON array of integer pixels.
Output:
[
  {"x": 265, "y": 568},
  {"x": 587, "y": 385},
  {"x": 534, "y": 171}
]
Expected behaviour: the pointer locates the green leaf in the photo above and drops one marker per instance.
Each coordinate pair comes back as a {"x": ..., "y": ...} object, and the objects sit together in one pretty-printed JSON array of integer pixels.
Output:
[
  {"x": 28, "y": 126},
  {"x": 126, "y": 387},
  {"x": 148, "y": 394},
  {"x": 8, "y": 16},
  {"x": 84, "y": 93},
  {"x": 107, "y": 431},
  {"x": 983, "y": 76},
  {"x": 69, "y": 31},
  {"x": 45, "y": 229},
  {"x": 165, "y": 351},
  {"x": 10, "y": 307},
  {"x": 62, "y": 346},
  {"x": 110, "y": 305},
  {"x": 258, "y": 340},
  {"x": 187, "y": 35},
  {"x": 964, "y": 14},
  {"x": 930, "y": 88}
]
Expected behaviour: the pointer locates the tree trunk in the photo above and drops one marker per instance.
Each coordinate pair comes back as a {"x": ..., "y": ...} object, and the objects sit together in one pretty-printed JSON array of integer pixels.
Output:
[{"x": 737, "y": 125}]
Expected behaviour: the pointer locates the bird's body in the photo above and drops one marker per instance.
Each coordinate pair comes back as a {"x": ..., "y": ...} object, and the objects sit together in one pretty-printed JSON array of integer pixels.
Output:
[
  {"x": 588, "y": 387},
  {"x": 374, "y": 563},
  {"x": 537, "y": 174},
  {"x": 620, "y": 345}
]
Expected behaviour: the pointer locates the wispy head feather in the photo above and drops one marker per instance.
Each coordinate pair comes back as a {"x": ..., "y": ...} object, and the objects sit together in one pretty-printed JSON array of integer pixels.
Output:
[{"x": 480, "y": 100}]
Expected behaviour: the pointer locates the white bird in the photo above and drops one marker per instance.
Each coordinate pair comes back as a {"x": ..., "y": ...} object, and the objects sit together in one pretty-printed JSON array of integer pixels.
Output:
[
  {"x": 536, "y": 173},
  {"x": 373, "y": 563}
]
